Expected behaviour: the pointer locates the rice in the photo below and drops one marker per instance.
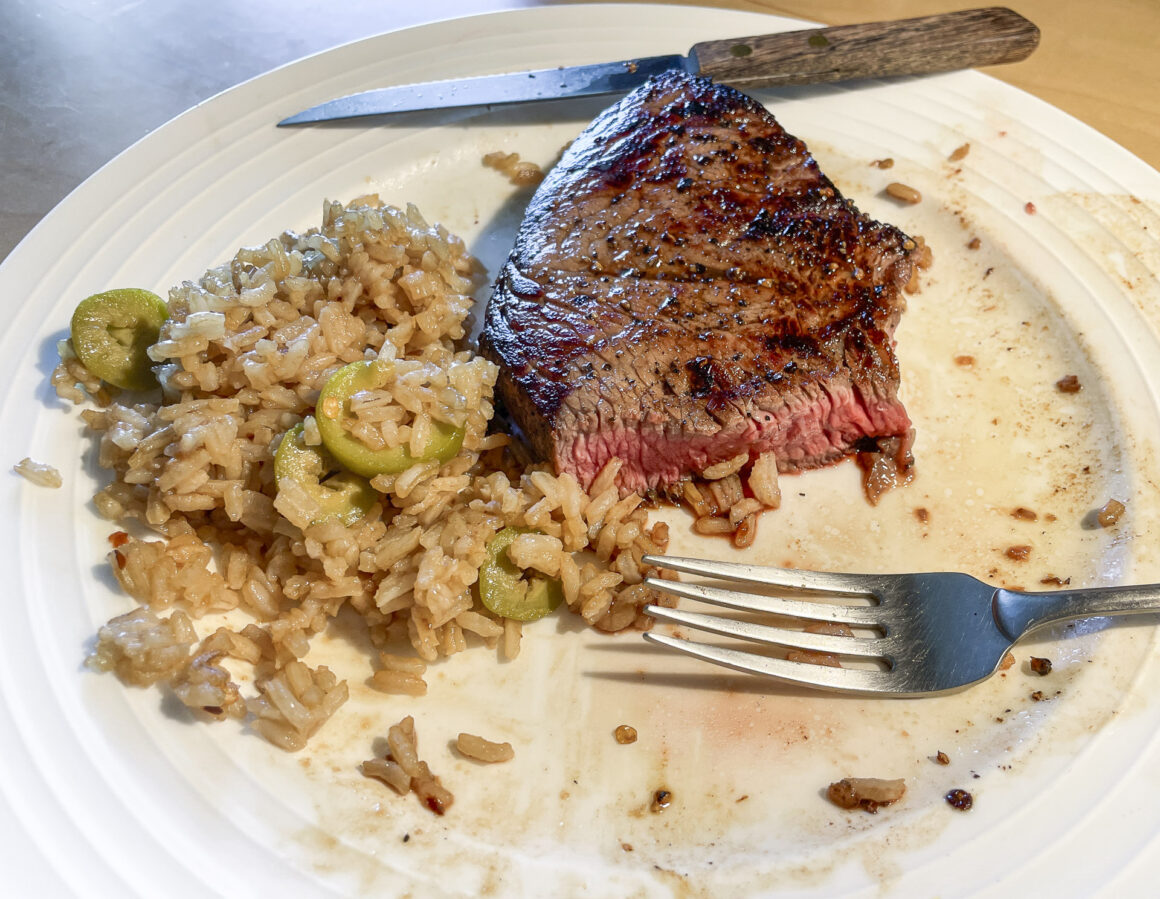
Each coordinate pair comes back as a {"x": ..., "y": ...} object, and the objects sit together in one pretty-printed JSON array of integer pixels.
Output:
[
  {"x": 294, "y": 702},
  {"x": 483, "y": 750},
  {"x": 519, "y": 172},
  {"x": 39, "y": 473},
  {"x": 729, "y": 496},
  {"x": 142, "y": 648},
  {"x": 241, "y": 361},
  {"x": 404, "y": 771},
  {"x": 727, "y": 467},
  {"x": 400, "y": 675}
]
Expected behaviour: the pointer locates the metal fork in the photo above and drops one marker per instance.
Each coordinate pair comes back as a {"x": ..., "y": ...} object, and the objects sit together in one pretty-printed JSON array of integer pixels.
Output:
[{"x": 933, "y": 633}]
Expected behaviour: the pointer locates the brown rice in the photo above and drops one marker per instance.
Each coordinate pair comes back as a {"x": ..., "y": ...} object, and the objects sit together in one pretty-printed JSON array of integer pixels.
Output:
[
  {"x": 483, "y": 750},
  {"x": 39, "y": 473},
  {"x": 519, "y": 172},
  {"x": 241, "y": 360},
  {"x": 405, "y": 772}
]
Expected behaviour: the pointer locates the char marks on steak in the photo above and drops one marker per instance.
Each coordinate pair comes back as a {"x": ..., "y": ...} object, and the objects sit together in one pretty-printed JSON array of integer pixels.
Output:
[{"x": 687, "y": 285}]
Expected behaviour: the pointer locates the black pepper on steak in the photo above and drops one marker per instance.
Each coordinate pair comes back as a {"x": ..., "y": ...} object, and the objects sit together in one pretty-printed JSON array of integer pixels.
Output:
[{"x": 777, "y": 273}]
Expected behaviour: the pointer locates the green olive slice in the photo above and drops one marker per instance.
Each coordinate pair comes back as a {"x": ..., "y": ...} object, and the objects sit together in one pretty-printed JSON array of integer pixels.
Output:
[
  {"x": 340, "y": 494},
  {"x": 504, "y": 589},
  {"x": 334, "y": 408},
  {"x": 112, "y": 332}
]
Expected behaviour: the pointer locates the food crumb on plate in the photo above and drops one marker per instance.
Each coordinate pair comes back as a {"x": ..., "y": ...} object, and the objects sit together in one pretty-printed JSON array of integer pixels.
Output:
[
  {"x": 519, "y": 172},
  {"x": 904, "y": 193},
  {"x": 1109, "y": 513},
  {"x": 866, "y": 793},
  {"x": 625, "y": 734},
  {"x": 484, "y": 750},
  {"x": 404, "y": 772},
  {"x": 39, "y": 473}
]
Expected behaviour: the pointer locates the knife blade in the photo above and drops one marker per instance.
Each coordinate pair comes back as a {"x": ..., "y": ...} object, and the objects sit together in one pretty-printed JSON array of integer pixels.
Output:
[{"x": 917, "y": 46}]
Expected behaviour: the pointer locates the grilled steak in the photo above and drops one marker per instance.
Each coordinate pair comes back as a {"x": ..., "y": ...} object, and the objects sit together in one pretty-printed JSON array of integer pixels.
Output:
[{"x": 686, "y": 286}]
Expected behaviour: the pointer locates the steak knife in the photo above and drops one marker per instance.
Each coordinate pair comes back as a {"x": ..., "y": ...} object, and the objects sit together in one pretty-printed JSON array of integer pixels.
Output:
[{"x": 918, "y": 46}]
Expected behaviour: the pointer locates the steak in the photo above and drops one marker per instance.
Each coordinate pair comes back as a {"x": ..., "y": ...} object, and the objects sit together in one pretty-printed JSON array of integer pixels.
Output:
[{"x": 686, "y": 286}]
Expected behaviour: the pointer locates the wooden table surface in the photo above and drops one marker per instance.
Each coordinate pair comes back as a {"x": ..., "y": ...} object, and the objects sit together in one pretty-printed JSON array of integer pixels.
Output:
[
  {"x": 1099, "y": 62},
  {"x": 83, "y": 79}
]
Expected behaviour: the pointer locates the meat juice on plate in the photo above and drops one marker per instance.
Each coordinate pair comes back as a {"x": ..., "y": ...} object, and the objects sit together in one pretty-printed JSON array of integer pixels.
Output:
[
  {"x": 744, "y": 762},
  {"x": 724, "y": 766}
]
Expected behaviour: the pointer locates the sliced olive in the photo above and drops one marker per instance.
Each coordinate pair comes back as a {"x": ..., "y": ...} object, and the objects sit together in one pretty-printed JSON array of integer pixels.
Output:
[
  {"x": 341, "y": 495},
  {"x": 112, "y": 331},
  {"x": 334, "y": 409},
  {"x": 505, "y": 590}
]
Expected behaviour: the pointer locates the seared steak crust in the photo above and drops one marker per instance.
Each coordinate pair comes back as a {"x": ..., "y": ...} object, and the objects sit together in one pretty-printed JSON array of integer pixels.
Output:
[{"x": 687, "y": 285}]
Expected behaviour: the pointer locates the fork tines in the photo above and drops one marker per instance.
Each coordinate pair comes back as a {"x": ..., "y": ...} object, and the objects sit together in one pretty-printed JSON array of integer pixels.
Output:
[
  {"x": 772, "y": 605},
  {"x": 787, "y": 578},
  {"x": 869, "y": 647},
  {"x": 845, "y": 679},
  {"x": 841, "y": 586}
]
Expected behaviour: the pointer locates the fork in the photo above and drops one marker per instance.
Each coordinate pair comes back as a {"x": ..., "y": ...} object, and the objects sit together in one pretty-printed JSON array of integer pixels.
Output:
[{"x": 933, "y": 632}]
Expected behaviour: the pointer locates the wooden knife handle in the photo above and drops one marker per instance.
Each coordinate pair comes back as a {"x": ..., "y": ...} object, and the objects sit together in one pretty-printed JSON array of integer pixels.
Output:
[{"x": 942, "y": 43}]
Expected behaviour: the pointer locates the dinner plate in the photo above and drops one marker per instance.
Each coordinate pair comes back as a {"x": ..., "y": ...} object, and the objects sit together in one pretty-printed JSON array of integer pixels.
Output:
[{"x": 1046, "y": 265}]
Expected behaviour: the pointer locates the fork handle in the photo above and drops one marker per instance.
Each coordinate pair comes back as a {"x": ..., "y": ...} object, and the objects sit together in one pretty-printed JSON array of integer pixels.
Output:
[{"x": 1017, "y": 613}]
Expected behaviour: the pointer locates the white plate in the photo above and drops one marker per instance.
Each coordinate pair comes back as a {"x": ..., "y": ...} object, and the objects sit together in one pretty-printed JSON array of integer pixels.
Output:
[{"x": 108, "y": 790}]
